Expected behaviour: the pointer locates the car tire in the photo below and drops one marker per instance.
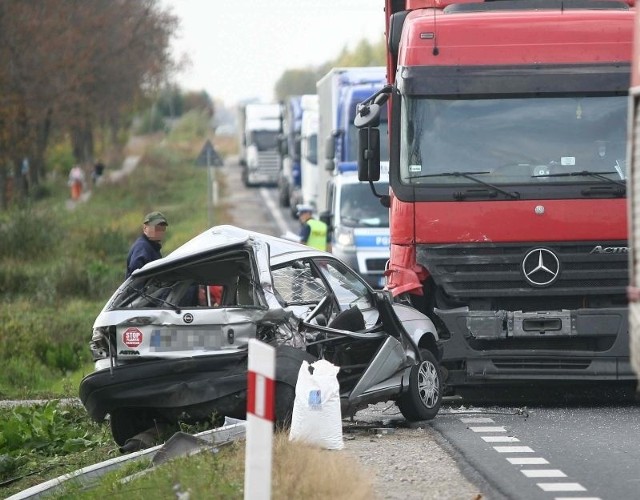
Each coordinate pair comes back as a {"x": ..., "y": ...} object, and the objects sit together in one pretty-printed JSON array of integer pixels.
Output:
[
  {"x": 125, "y": 423},
  {"x": 284, "y": 399},
  {"x": 423, "y": 398}
]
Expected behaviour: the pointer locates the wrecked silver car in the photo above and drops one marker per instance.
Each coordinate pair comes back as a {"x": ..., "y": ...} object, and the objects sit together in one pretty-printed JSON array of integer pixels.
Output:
[{"x": 171, "y": 343}]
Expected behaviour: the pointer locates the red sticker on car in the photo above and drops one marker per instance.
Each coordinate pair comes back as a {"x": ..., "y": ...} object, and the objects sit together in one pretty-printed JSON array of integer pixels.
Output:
[{"x": 132, "y": 337}]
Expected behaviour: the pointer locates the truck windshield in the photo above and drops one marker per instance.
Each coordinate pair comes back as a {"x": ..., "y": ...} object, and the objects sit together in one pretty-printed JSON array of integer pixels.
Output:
[
  {"x": 264, "y": 140},
  {"x": 358, "y": 208},
  {"x": 514, "y": 140}
]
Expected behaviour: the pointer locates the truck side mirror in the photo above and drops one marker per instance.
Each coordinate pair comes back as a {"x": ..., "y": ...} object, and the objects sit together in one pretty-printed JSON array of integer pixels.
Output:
[
  {"x": 329, "y": 152},
  {"x": 283, "y": 146},
  {"x": 369, "y": 154}
]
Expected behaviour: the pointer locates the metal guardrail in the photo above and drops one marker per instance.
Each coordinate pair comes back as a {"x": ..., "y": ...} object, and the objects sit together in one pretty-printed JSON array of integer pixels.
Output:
[{"x": 180, "y": 444}]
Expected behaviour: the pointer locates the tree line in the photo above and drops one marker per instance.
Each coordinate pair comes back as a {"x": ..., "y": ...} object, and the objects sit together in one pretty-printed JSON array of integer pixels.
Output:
[
  {"x": 68, "y": 68},
  {"x": 301, "y": 81}
]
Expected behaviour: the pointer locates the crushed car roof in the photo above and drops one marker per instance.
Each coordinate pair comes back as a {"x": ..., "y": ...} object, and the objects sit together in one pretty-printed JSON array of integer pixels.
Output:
[{"x": 221, "y": 237}]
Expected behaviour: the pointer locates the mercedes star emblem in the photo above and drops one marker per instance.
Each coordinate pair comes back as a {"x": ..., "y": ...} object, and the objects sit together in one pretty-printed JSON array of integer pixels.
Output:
[{"x": 541, "y": 267}]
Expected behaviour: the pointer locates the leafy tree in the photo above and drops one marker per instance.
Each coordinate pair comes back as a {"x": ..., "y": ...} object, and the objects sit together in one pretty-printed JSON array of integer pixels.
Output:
[{"x": 71, "y": 66}]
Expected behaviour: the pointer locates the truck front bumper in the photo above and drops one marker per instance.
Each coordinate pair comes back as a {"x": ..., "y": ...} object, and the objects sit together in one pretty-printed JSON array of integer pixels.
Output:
[{"x": 512, "y": 346}]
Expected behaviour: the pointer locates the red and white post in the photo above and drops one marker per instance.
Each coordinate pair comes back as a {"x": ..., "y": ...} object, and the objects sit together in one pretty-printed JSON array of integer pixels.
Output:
[{"x": 260, "y": 417}]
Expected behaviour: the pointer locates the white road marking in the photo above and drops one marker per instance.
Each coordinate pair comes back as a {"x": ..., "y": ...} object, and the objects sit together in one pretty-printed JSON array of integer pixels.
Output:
[
  {"x": 513, "y": 449},
  {"x": 543, "y": 473},
  {"x": 500, "y": 439},
  {"x": 527, "y": 461},
  {"x": 476, "y": 420},
  {"x": 561, "y": 487},
  {"x": 488, "y": 429},
  {"x": 530, "y": 473},
  {"x": 577, "y": 498}
]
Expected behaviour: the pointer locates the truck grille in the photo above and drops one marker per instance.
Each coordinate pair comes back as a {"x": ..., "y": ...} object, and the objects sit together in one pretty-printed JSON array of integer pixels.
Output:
[
  {"x": 541, "y": 363},
  {"x": 269, "y": 161},
  {"x": 485, "y": 271}
]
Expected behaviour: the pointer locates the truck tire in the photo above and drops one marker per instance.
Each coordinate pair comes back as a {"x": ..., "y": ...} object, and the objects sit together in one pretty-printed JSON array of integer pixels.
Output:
[
  {"x": 283, "y": 196},
  {"x": 423, "y": 398}
]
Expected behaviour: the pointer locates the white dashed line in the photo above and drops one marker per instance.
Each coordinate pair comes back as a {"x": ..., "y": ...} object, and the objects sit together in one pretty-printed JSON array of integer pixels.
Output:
[
  {"x": 515, "y": 460},
  {"x": 488, "y": 429},
  {"x": 527, "y": 461},
  {"x": 561, "y": 487},
  {"x": 500, "y": 439},
  {"x": 543, "y": 473},
  {"x": 476, "y": 420},
  {"x": 577, "y": 498},
  {"x": 513, "y": 449}
]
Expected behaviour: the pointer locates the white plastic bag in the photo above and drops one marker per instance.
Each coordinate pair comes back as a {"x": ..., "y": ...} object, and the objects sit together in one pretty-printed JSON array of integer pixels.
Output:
[{"x": 317, "y": 418}]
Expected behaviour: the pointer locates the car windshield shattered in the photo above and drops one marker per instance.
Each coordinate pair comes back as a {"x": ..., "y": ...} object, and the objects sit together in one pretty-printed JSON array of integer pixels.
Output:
[
  {"x": 170, "y": 346},
  {"x": 225, "y": 280}
]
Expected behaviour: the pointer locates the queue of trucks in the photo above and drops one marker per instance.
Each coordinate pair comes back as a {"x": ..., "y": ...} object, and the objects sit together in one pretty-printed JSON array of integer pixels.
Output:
[
  {"x": 317, "y": 146},
  {"x": 508, "y": 173},
  {"x": 359, "y": 226}
]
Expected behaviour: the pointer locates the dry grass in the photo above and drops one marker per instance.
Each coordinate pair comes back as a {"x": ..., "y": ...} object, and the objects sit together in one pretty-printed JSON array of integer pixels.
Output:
[{"x": 302, "y": 471}]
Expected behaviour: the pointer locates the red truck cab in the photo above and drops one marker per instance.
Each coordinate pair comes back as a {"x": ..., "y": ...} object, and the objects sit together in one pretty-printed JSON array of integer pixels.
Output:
[{"x": 508, "y": 173}]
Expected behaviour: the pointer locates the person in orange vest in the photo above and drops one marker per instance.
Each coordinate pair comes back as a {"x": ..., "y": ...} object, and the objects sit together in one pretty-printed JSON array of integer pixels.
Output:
[
  {"x": 313, "y": 232},
  {"x": 76, "y": 182}
]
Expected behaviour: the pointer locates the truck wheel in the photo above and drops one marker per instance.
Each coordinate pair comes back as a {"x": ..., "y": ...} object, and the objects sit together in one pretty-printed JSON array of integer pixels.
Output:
[
  {"x": 283, "y": 196},
  {"x": 423, "y": 398}
]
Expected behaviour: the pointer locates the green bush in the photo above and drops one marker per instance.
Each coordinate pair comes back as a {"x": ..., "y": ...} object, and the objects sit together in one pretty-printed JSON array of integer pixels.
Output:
[
  {"x": 151, "y": 121},
  {"x": 195, "y": 124},
  {"x": 14, "y": 279},
  {"x": 28, "y": 234},
  {"x": 64, "y": 357},
  {"x": 23, "y": 375}
]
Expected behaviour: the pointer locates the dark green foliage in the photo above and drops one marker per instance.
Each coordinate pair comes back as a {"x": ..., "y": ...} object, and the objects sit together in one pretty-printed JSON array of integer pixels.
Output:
[
  {"x": 28, "y": 234},
  {"x": 44, "y": 434}
]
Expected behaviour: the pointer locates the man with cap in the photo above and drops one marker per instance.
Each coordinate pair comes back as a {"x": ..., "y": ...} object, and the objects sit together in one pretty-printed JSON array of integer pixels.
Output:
[
  {"x": 147, "y": 247},
  {"x": 313, "y": 232}
]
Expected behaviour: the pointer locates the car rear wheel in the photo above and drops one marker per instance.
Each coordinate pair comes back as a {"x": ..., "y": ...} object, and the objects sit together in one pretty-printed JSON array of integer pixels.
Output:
[
  {"x": 285, "y": 397},
  {"x": 127, "y": 422},
  {"x": 423, "y": 398}
]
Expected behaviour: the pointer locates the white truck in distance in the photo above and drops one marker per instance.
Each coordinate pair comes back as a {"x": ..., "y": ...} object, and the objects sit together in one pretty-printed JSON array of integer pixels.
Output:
[
  {"x": 259, "y": 157},
  {"x": 309, "y": 150}
]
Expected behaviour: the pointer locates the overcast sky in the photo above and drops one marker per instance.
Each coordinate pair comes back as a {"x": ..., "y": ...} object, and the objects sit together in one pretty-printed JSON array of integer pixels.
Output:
[{"x": 239, "y": 48}]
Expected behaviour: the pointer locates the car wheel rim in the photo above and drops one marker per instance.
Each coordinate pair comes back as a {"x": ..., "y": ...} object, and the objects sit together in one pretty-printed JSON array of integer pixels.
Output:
[{"x": 428, "y": 386}]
